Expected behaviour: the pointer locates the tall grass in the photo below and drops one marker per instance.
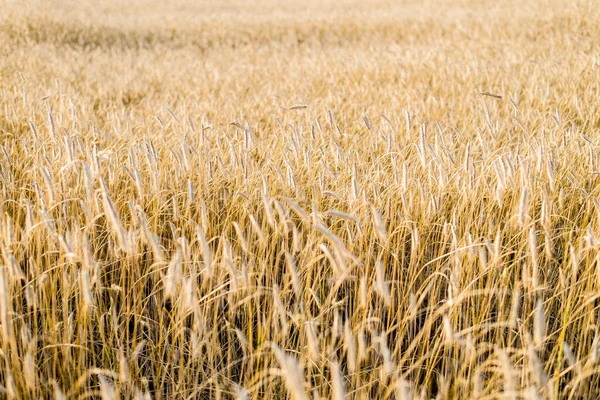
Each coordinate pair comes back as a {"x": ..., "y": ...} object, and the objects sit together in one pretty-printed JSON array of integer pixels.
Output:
[{"x": 326, "y": 201}]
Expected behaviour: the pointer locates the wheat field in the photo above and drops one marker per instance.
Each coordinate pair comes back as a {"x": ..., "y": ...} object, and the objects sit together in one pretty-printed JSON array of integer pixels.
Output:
[{"x": 304, "y": 200}]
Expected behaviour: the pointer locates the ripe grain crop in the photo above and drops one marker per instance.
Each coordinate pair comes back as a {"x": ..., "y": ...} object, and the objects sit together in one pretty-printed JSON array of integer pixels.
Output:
[{"x": 317, "y": 199}]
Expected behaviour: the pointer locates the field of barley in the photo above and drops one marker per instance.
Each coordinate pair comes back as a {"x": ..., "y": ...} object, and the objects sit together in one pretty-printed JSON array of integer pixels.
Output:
[{"x": 317, "y": 199}]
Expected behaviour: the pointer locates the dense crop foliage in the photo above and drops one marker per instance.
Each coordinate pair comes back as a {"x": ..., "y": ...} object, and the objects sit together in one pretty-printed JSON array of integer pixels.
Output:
[{"x": 318, "y": 199}]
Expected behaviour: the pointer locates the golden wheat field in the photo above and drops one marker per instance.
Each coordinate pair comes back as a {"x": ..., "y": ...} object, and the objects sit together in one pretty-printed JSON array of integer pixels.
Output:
[{"x": 299, "y": 200}]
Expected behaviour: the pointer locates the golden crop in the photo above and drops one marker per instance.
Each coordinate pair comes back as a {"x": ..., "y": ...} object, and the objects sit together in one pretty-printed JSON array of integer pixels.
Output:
[{"x": 316, "y": 199}]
